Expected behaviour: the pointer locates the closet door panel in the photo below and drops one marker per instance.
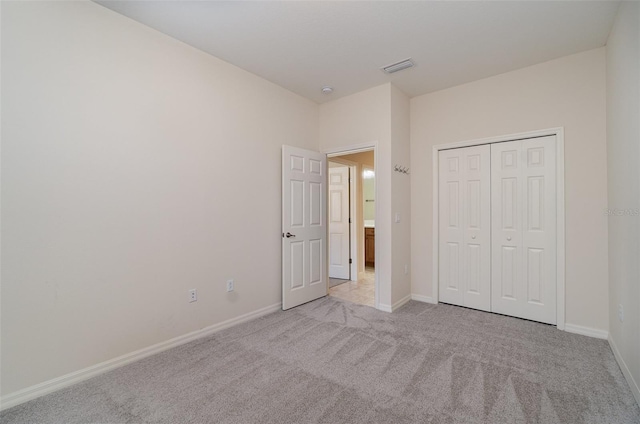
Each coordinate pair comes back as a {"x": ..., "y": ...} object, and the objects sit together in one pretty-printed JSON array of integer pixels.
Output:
[
  {"x": 450, "y": 267},
  {"x": 465, "y": 227},
  {"x": 477, "y": 227},
  {"x": 539, "y": 232},
  {"x": 524, "y": 229},
  {"x": 506, "y": 217}
]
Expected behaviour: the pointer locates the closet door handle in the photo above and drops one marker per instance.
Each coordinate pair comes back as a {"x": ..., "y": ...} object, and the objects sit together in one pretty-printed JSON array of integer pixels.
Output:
[
  {"x": 508, "y": 238},
  {"x": 473, "y": 237}
]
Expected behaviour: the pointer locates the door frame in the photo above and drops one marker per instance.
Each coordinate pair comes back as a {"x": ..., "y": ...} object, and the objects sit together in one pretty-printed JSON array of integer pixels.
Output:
[
  {"x": 353, "y": 236},
  {"x": 347, "y": 150},
  {"x": 353, "y": 233},
  {"x": 560, "y": 209}
]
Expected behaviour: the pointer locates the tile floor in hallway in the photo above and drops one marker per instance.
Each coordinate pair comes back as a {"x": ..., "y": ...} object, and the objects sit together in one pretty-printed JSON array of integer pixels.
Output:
[{"x": 361, "y": 291}]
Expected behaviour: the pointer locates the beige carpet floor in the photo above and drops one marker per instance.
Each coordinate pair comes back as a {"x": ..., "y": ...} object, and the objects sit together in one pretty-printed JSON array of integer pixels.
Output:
[{"x": 332, "y": 361}]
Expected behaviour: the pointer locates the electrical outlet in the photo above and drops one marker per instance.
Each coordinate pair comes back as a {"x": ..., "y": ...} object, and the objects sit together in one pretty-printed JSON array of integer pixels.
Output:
[
  {"x": 620, "y": 313},
  {"x": 397, "y": 217},
  {"x": 193, "y": 295},
  {"x": 230, "y": 285},
  {"x": 406, "y": 269}
]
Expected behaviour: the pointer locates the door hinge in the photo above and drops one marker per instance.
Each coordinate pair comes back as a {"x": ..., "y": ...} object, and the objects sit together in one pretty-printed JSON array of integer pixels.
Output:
[
  {"x": 350, "y": 260},
  {"x": 349, "y": 220}
]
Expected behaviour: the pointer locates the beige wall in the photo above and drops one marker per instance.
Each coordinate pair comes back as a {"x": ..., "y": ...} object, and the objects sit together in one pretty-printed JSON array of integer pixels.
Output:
[
  {"x": 376, "y": 116},
  {"x": 363, "y": 119},
  {"x": 134, "y": 168},
  {"x": 400, "y": 197},
  {"x": 623, "y": 156},
  {"x": 567, "y": 92}
]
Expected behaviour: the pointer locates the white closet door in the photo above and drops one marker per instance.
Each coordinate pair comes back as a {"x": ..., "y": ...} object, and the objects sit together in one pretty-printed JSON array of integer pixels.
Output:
[
  {"x": 464, "y": 227},
  {"x": 523, "y": 207}
]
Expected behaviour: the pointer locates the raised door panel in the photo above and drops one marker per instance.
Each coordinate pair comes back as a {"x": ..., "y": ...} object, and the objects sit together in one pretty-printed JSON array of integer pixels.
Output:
[
  {"x": 476, "y": 229},
  {"x": 339, "y": 222},
  {"x": 524, "y": 229},
  {"x": 465, "y": 227},
  {"x": 451, "y": 180},
  {"x": 303, "y": 226},
  {"x": 539, "y": 229},
  {"x": 506, "y": 216}
]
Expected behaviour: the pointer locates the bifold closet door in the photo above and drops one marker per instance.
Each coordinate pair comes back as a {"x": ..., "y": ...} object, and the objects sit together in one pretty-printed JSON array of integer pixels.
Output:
[
  {"x": 465, "y": 227},
  {"x": 523, "y": 210}
]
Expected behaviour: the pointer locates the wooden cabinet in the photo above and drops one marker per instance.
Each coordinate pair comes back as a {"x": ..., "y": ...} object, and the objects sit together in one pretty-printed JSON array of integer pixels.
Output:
[{"x": 369, "y": 246}]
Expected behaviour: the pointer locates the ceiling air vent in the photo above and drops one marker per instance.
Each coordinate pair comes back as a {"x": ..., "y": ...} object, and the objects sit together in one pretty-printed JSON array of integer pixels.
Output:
[{"x": 399, "y": 66}]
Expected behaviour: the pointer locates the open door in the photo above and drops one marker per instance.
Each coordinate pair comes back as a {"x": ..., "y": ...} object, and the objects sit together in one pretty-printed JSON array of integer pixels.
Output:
[
  {"x": 304, "y": 226},
  {"x": 339, "y": 222}
]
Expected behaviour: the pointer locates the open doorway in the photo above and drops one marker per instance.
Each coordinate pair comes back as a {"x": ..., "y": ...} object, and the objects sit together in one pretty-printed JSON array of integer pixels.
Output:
[{"x": 351, "y": 223}]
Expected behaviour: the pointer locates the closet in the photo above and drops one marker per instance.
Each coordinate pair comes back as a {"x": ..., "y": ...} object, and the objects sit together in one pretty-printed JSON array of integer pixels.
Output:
[{"x": 497, "y": 228}]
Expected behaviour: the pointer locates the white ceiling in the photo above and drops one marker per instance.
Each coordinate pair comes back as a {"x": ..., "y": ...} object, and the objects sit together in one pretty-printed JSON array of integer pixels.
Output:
[{"x": 303, "y": 46}]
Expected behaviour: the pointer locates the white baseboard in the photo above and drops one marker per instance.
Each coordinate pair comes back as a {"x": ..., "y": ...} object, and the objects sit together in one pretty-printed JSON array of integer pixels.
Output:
[
  {"x": 586, "y": 331},
  {"x": 625, "y": 370},
  {"x": 29, "y": 393},
  {"x": 425, "y": 299},
  {"x": 390, "y": 308},
  {"x": 401, "y": 302},
  {"x": 385, "y": 308}
]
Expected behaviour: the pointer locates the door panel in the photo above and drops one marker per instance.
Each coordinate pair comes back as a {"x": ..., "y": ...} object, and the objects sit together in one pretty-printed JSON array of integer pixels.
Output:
[
  {"x": 339, "y": 222},
  {"x": 315, "y": 261},
  {"x": 508, "y": 273},
  {"x": 450, "y": 205},
  {"x": 465, "y": 227},
  {"x": 304, "y": 220},
  {"x": 297, "y": 264},
  {"x": 477, "y": 228},
  {"x": 523, "y": 216},
  {"x": 474, "y": 268},
  {"x": 539, "y": 238}
]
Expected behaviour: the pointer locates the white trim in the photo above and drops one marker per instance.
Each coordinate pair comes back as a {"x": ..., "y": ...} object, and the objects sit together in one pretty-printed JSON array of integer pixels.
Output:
[
  {"x": 425, "y": 299},
  {"x": 395, "y": 306},
  {"x": 384, "y": 308},
  {"x": 41, "y": 389},
  {"x": 625, "y": 370},
  {"x": 586, "y": 331},
  {"x": 560, "y": 231},
  {"x": 353, "y": 212},
  {"x": 401, "y": 302},
  {"x": 353, "y": 231},
  {"x": 435, "y": 205},
  {"x": 349, "y": 150},
  {"x": 354, "y": 182},
  {"x": 358, "y": 148},
  {"x": 560, "y": 212}
]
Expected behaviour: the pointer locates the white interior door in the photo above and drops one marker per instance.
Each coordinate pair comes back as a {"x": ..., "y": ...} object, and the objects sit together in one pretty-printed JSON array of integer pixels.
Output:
[
  {"x": 524, "y": 228},
  {"x": 465, "y": 227},
  {"x": 339, "y": 222},
  {"x": 304, "y": 228}
]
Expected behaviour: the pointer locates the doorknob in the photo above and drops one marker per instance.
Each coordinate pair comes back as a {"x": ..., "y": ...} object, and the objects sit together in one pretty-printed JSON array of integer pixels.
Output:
[
  {"x": 289, "y": 235},
  {"x": 508, "y": 238},
  {"x": 473, "y": 237}
]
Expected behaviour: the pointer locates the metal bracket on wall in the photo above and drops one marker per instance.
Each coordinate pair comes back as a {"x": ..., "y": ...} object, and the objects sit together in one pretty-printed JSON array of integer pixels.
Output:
[{"x": 401, "y": 169}]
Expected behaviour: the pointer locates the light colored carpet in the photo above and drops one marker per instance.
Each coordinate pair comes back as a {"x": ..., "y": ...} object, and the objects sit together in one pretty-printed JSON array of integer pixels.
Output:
[{"x": 331, "y": 361}]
